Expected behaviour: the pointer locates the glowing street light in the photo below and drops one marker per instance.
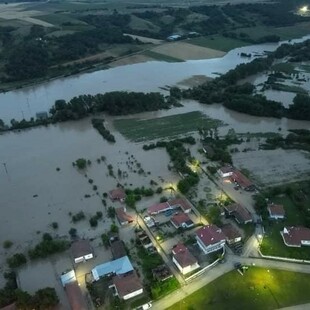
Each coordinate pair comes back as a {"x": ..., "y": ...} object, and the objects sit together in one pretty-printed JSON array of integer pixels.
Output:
[{"x": 304, "y": 9}]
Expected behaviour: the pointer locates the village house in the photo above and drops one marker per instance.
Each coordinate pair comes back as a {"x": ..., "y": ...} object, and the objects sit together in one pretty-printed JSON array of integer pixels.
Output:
[
  {"x": 296, "y": 236},
  {"x": 117, "y": 194},
  {"x": 159, "y": 208},
  {"x": 276, "y": 212},
  {"x": 126, "y": 286},
  {"x": 210, "y": 238},
  {"x": 183, "y": 259},
  {"x": 181, "y": 220},
  {"x": 123, "y": 217},
  {"x": 118, "y": 249},
  {"x": 241, "y": 214},
  {"x": 180, "y": 203},
  {"x": 232, "y": 235},
  {"x": 73, "y": 291},
  {"x": 81, "y": 251},
  {"x": 226, "y": 171},
  {"x": 118, "y": 266}
]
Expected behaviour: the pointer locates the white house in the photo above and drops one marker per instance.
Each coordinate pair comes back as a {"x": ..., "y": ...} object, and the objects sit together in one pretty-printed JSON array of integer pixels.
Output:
[
  {"x": 81, "y": 251},
  {"x": 276, "y": 212},
  {"x": 210, "y": 238},
  {"x": 126, "y": 286},
  {"x": 226, "y": 171},
  {"x": 183, "y": 259}
]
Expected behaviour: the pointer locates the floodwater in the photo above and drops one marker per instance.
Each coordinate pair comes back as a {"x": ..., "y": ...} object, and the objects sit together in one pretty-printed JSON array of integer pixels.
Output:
[
  {"x": 149, "y": 76},
  {"x": 34, "y": 194}
]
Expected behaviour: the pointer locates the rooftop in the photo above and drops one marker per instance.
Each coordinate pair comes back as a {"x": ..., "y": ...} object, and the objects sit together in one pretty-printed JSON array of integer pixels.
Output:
[
  {"x": 118, "y": 249},
  {"x": 293, "y": 236},
  {"x": 230, "y": 232},
  {"x": 183, "y": 256},
  {"x": 241, "y": 213},
  {"x": 159, "y": 207},
  {"x": 241, "y": 179},
  {"x": 181, "y": 218},
  {"x": 68, "y": 277},
  {"x": 181, "y": 202},
  {"x": 75, "y": 296},
  {"x": 210, "y": 234},
  {"x": 276, "y": 210},
  {"x": 80, "y": 248},
  {"x": 227, "y": 169},
  {"x": 126, "y": 284},
  {"x": 122, "y": 215},
  {"x": 117, "y": 193},
  {"x": 118, "y": 266}
]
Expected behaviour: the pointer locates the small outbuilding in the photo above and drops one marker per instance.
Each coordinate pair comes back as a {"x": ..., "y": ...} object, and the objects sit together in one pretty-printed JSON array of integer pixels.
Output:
[
  {"x": 276, "y": 212},
  {"x": 117, "y": 194},
  {"x": 231, "y": 233},
  {"x": 181, "y": 220}
]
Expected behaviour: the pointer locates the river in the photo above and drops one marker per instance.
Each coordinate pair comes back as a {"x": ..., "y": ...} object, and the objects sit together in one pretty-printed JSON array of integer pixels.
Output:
[{"x": 149, "y": 76}]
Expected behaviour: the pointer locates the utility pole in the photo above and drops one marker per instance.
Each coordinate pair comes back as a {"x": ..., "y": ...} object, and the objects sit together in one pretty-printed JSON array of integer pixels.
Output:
[{"x": 5, "y": 168}]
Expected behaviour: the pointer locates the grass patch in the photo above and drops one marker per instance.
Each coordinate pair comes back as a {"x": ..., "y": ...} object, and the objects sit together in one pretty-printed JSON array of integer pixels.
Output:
[
  {"x": 257, "y": 289},
  {"x": 161, "y": 57},
  {"x": 58, "y": 19},
  {"x": 273, "y": 243},
  {"x": 217, "y": 42},
  {"x": 148, "y": 129}
]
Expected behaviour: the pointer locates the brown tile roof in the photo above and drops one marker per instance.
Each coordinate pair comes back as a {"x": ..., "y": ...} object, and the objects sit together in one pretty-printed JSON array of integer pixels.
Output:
[
  {"x": 293, "y": 236},
  {"x": 123, "y": 216},
  {"x": 80, "y": 248},
  {"x": 118, "y": 249},
  {"x": 230, "y": 232},
  {"x": 117, "y": 194},
  {"x": 183, "y": 203},
  {"x": 75, "y": 297},
  {"x": 126, "y": 284},
  {"x": 181, "y": 218},
  {"x": 276, "y": 210},
  {"x": 159, "y": 207},
  {"x": 239, "y": 212},
  {"x": 183, "y": 256},
  {"x": 241, "y": 179},
  {"x": 210, "y": 234}
]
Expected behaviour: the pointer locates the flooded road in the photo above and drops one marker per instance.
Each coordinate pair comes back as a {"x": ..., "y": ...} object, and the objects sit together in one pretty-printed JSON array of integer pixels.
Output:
[{"x": 149, "y": 76}]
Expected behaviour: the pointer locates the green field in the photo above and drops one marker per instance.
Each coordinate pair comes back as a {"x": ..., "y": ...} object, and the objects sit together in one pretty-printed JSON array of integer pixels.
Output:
[
  {"x": 257, "y": 289},
  {"x": 273, "y": 243},
  {"x": 285, "y": 67},
  {"x": 218, "y": 42},
  {"x": 161, "y": 57},
  {"x": 288, "y": 88},
  {"x": 148, "y": 129},
  {"x": 285, "y": 33}
]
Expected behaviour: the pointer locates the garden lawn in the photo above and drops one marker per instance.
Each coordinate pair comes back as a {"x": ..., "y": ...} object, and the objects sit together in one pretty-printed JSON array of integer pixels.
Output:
[
  {"x": 273, "y": 243},
  {"x": 218, "y": 42},
  {"x": 257, "y": 289},
  {"x": 148, "y": 129}
]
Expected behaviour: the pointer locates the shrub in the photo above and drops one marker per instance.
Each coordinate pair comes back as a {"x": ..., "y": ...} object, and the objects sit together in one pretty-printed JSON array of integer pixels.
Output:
[
  {"x": 54, "y": 225},
  {"x": 17, "y": 260},
  {"x": 81, "y": 163},
  {"x": 7, "y": 244},
  {"x": 93, "y": 221}
]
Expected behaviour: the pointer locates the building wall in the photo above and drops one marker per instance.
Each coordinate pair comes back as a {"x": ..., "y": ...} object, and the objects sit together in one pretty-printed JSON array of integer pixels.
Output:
[
  {"x": 83, "y": 258},
  {"x": 187, "y": 269},
  {"x": 305, "y": 242},
  {"x": 133, "y": 294},
  {"x": 210, "y": 248}
]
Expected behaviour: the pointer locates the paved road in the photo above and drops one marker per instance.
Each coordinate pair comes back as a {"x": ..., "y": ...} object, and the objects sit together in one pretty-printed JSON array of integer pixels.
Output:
[{"x": 219, "y": 270}]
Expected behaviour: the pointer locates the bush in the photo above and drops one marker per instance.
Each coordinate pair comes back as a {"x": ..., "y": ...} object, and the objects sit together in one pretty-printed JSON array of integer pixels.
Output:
[
  {"x": 81, "y": 163},
  {"x": 111, "y": 212},
  {"x": 114, "y": 228},
  {"x": 78, "y": 217},
  {"x": 7, "y": 244},
  {"x": 72, "y": 232},
  {"x": 54, "y": 225},
  {"x": 17, "y": 260},
  {"x": 93, "y": 221}
]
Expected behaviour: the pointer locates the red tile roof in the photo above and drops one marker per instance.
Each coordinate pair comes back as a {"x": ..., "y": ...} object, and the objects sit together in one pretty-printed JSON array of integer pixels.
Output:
[
  {"x": 123, "y": 216},
  {"x": 159, "y": 207},
  {"x": 183, "y": 203},
  {"x": 239, "y": 212},
  {"x": 117, "y": 194},
  {"x": 183, "y": 256},
  {"x": 210, "y": 234},
  {"x": 293, "y": 236},
  {"x": 126, "y": 284},
  {"x": 81, "y": 248},
  {"x": 276, "y": 210},
  {"x": 230, "y": 232},
  {"x": 75, "y": 297},
  {"x": 181, "y": 218},
  {"x": 241, "y": 179}
]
